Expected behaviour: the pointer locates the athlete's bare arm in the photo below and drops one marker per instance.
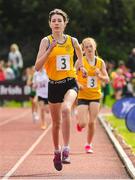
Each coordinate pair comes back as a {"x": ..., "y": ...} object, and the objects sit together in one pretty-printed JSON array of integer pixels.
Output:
[
  {"x": 43, "y": 52},
  {"x": 79, "y": 54},
  {"x": 103, "y": 75}
]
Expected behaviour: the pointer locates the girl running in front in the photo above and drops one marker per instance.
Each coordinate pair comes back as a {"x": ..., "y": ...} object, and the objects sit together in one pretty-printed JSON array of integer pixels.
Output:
[
  {"x": 56, "y": 55},
  {"x": 90, "y": 90}
]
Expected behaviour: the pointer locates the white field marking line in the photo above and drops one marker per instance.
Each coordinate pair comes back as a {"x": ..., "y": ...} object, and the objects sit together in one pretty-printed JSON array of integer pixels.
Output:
[
  {"x": 28, "y": 152},
  {"x": 14, "y": 118}
]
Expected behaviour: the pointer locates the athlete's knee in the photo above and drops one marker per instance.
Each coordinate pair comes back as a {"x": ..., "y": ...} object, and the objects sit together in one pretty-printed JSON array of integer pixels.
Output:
[
  {"x": 56, "y": 125},
  {"x": 66, "y": 109},
  {"x": 91, "y": 124},
  {"x": 82, "y": 124}
]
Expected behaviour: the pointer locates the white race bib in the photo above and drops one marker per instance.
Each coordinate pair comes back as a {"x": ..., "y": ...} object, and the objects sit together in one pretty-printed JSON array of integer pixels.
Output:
[
  {"x": 63, "y": 62},
  {"x": 92, "y": 82}
]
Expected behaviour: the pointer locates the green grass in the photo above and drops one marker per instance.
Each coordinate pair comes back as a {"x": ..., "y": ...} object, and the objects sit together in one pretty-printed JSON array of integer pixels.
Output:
[
  {"x": 109, "y": 101},
  {"x": 120, "y": 127},
  {"x": 15, "y": 104}
]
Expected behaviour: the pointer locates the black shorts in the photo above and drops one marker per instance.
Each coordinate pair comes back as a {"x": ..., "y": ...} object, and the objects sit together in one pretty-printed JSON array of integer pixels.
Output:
[
  {"x": 58, "y": 89},
  {"x": 45, "y": 100},
  {"x": 87, "y": 102}
]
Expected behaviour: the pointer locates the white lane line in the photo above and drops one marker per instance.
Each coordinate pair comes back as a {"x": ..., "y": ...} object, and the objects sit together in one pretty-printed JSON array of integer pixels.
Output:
[
  {"x": 14, "y": 118},
  {"x": 20, "y": 161}
]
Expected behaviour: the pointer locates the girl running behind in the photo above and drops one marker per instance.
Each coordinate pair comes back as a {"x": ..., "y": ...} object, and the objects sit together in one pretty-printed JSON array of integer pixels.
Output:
[{"x": 90, "y": 90}]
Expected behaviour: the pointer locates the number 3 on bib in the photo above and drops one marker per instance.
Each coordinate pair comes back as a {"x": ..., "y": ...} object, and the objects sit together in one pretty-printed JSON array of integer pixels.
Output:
[
  {"x": 63, "y": 62},
  {"x": 91, "y": 82}
]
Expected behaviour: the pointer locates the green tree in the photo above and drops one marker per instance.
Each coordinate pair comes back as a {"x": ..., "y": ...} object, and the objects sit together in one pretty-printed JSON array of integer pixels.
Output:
[{"x": 110, "y": 22}]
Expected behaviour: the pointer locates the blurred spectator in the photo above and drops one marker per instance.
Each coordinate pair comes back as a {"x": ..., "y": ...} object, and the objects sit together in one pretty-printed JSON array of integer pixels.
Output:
[
  {"x": 15, "y": 58},
  {"x": 121, "y": 65},
  {"x": 32, "y": 95},
  {"x": 131, "y": 61},
  {"x": 40, "y": 84},
  {"x": 125, "y": 70},
  {"x": 9, "y": 73},
  {"x": 25, "y": 73},
  {"x": 2, "y": 78},
  {"x": 106, "y": 88},
  {"x": 133, "y": 83},
  {"x": 128, "y": 88},
  {"x": 2, "y": 73},
  {"x": 110, "y": 65},
  {"x": 118, "y": 83},
  {"x": 2, "y": 62}
]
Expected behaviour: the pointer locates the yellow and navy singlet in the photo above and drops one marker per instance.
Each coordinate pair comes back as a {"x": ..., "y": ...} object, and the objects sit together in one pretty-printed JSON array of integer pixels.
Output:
[
  {"x": 92, "y": 85},
  {"x": 59, "y": 64}
]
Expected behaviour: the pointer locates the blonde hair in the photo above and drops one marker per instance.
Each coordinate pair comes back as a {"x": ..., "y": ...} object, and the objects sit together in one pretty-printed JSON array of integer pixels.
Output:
[
  {"x": 89, "y": 39},
  {"x": 14, "y": 46},
  {"x": 59, "y": 12},
  {"x": 92, "y": 41}
]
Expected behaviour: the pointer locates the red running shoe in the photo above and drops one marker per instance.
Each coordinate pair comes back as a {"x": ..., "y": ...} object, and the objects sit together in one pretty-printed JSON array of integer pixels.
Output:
[
  {"x": 79, "y": 128},
  {"x": 88, "y": 148}
]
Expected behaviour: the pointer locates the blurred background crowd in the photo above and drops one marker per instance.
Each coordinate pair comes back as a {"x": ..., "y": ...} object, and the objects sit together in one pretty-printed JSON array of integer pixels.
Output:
[
  {"x": 122, "y": 75},
  {"x": 12, "y": 69},
  {"x": 122, "y": 78}
]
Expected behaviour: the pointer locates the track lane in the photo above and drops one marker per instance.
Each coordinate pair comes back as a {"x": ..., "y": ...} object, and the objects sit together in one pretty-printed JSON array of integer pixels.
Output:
[
  {"x": 27, "y": 153},
  {"x": 15, "y": 139},
  {"x": 12, "y": 114},
  {"x": 103, "y": 164}
]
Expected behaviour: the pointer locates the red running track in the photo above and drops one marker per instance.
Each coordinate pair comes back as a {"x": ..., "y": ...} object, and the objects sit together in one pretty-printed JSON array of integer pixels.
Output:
[{"x": 26, "y": 151}]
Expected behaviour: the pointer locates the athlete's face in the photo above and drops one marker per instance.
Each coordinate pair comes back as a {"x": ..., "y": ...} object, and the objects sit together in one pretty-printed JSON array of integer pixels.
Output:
[
  {"x": 89, "y": 48},
  {"x": 57, "y": 23}
]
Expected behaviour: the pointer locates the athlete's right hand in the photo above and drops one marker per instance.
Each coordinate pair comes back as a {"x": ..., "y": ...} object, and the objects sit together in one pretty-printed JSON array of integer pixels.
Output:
[
  {"x": 84, "y": 72},
  {"x": 53, "y": 44}
]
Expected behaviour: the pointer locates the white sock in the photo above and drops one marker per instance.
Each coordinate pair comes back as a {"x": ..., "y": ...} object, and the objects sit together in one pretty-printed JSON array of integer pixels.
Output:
[
  {"x": 58, "y": 150},
  {"x": 66, "y": 148},
  {"x": 88, "y": 144}
]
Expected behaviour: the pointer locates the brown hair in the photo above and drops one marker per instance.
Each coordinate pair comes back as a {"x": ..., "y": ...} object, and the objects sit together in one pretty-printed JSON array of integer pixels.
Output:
[{"x": 59, "y": 12}]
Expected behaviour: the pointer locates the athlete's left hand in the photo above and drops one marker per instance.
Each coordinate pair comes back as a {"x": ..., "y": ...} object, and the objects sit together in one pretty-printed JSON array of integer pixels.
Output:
[{"x": 98, "y": 73}]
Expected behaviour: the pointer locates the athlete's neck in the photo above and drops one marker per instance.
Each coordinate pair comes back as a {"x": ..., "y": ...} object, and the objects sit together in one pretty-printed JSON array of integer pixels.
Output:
[
  {"x": 59, "y": 37},
  {"x": 90, "y": 58}
]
